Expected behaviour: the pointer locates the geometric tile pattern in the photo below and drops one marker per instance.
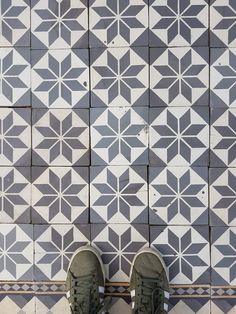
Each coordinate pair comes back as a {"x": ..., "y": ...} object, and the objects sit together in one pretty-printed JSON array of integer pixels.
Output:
[
  {"x": 118, "y": 194},
  {"x": 179, "y": 76},
  {"x": 119, "y": 75},
  {"x": 178, "y": 196}
]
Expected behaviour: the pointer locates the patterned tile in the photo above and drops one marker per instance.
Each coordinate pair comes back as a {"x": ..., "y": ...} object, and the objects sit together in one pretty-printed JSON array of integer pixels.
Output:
[
  {"x": 118, "y": 23},
  {"x": 119, "y": 136},
  {"x": 223, "y": 77},
  {"x": 16, "y": 252},
  {"x": 185, "y": 251},
  {"x": 223, "y": 23},
  {"x": 17, "y": 303},
  {"x": 178, "y": 23},
  {"x": 119, "y": 76},
  {"x": 118, "y": 194},
  {"x": 178, "y": 196},
  {"x": 15, "y": 137},
  {"x": 60, "y": 79},
  {"x": 15, "y": 23},
  {"x": 15, "y": 196},
  {"x": 179, "y": 76},
  {"x": 14, "y": 77},
  {"x": 179, "y": 136},
  {"x": 190, "y": 306},
  {"x": 223, "y": 255},
  {"x": 60, "y": 137},
  {"x": 118, "y": 244},
  {"x": 60, "y": 195},
  {"x": 59, "y": 24},
  {"x": 51, "y": 304},
  {"x": 54, "y": 246},
  {"x": 223, "y": 306},
  {"x": 223, "y": 137}
]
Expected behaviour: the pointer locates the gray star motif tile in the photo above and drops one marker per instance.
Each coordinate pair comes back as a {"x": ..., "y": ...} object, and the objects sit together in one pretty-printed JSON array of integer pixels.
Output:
[
  {"x": 119, "y": 136},
  {"x": 16, "y": 252},
  {"x": 179, "y": 136},
  {"x": 118, "y": 244},
  {"x": 60, "y": 195},
  {"x": 223, "y": 305},
  {"x": 223, "y": 77},
  {"x": 119, "y": 76},
  {"x": 15, "y": 23},
  {"x": 178, "y": 195},
  {"x": 17, "y": 303},
  {"x": 15, "y": 77},
  {"x": 45, "y": 304},
  {"x": 118, "y": 23},
  {"x": 118, "y": 194},
  {"x": 60, "y": 78},
  {"x": 15, "y": 198},
  {"x": 15, "y": 137},
  {"x": 60, "y": 137},
  {"x": 185, "y": 251},
  {"x": 54, "y": 247},
  {"x": 223, "y": 137},
  {"x": 58, "y": 24},
  {"x": 178, "y": 23},
  {"x": 179, "y": 76}
]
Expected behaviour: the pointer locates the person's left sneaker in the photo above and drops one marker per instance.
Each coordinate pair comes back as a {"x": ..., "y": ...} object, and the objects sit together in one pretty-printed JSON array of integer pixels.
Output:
[{"x": 85, "y": 282}]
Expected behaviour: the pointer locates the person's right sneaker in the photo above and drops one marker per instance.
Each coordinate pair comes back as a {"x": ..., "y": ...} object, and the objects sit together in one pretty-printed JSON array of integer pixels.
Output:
[{"x": 149, "y": 286}]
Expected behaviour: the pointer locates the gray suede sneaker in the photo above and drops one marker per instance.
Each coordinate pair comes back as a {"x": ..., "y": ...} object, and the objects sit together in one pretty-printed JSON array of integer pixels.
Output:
[
  {"x": 85, "y": 282},
  {"x": 149, "y": 286}
]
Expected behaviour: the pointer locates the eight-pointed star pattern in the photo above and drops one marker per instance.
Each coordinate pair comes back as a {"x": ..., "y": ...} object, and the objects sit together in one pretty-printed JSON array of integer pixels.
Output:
[
  {"x": 60, "y": 195},
  {"x": 15, "y": 23},
  {"x": 60, "y": 137},
  {"x": 119, "y": 76},
  {"x": 185, "y": 251},
  {"x": 118, "y": 194},
  {"x": 179, "y": 136},
  {"x": 179, "y": 76},
  {"x": 60, "y": 78},
  {"x": 118, "y": 23},
  {"x": 118, "y": 244},
  {"x": 59, "y": 24},
  {"x": 119, "y": 136},
  {"x": 178, "y": 23},
  {"x": 178, "y": 196}
]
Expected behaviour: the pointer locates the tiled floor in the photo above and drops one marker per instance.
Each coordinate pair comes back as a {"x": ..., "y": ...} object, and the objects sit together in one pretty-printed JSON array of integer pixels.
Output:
[{"x": 118, "y": 129}]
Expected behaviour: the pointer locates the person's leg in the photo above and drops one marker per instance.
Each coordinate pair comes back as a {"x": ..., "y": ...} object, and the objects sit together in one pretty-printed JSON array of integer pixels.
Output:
[
  {"x": 149, "y": 286},
  {"x": 85, "y": 282}
]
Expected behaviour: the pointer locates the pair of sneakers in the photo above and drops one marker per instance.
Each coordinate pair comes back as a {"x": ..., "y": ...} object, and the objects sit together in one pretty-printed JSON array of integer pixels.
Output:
[{"x": 86, "y": 280}]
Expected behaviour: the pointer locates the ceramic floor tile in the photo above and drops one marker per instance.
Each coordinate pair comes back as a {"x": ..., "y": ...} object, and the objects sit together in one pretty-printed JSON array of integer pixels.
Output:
[
  {"x": 222, "y": 25},
  {"x": 118, "y": 244},
  {"x": 15, "y": 77},
  {"x": 190, "y": 306},
  {"x": 15, "y": 23},
  {"x": 223, "y": 137},
  {"x": 15, "y": 137},
  {"x": 178, "y": 195},
  {"x": 60, "y": 195},
  {"x": 119, "y": 76},
  {"x": 118, "y": 23},
  {"x": 223, "y": 255},
  {"x": 54, "y": 247},
  {"x": 223, "y": 77},
  {"x": 118, "y": 194},
  {"x": 17, "y": 303},
  {"x": 59, "y": 24},
  {"x": 53, "y": 304},
  {"x": 60, "y": 137},
  {"x": 179, "y": 76},
  {"x": 15, "y": 198},
  {"x": 223, "y": 196},
  {"x": 16, "y": 252},
  {"x": 178, "y": 23},
  {"x": 223, "y": 306},
  {"x": 185, "y": 251},
  {"x": 60, "y": 79},
  {"x": 119, "y": 136},
  {"x": 179, "y": 136}
]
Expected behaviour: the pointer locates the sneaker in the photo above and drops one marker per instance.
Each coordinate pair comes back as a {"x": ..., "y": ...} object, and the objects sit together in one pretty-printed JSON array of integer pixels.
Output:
[
  {"x": 149, "y": 286},
  {"x": 85, "y": 282}
]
